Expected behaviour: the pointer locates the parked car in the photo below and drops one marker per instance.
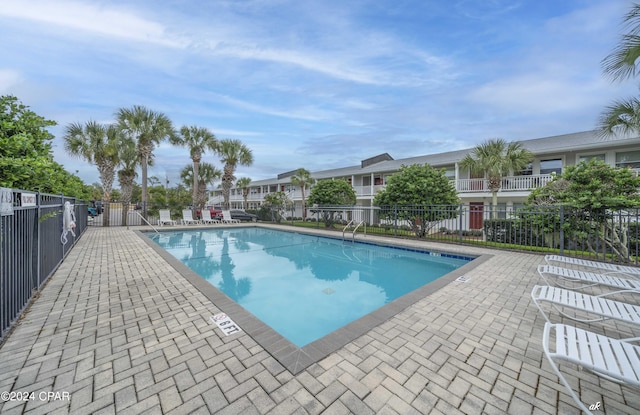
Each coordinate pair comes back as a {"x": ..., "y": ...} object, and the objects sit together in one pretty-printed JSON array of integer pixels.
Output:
[
  {"x": 215, "y": 212},
  {"x": 92, "y": 211},
  {"x": 97, "y": 205},
  {"x": 243, "y": 216}
]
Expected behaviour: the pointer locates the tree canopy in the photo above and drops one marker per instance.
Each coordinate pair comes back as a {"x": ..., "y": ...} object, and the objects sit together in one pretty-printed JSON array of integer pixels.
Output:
[
  {"x": 593, "y": 186},
  {"x": 26, "y": 157},
  {"x": 584, "y": 200},
  {"x": 329, "y": 193},
  {"x": 332, "y": 193},
  {"x": 417, "y": 185},
  {"x": 416, "y": 194}
]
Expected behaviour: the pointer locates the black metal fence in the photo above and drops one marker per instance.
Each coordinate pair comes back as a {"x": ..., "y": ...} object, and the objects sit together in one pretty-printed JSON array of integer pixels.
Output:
[
  {"x": 611, "y": 235},
  {"x": 31, "y": 247}
]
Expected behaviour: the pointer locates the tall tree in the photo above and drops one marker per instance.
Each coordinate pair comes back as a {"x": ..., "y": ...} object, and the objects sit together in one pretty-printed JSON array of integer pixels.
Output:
[
  {"x": 244, "y": 183},
  {"x": 623, "y": 116},
  {"x": 232, "y": 153},
  {"x": 127, "y": 174},
  {"x": 496, "y": 159},
  {"x": 207, "y": 173},
  {"x": 98, "y": 144},
  {"x": 148, "y": 128},
  {"x": 197, "y": 140},
  {"x": 302, "y": 178}
]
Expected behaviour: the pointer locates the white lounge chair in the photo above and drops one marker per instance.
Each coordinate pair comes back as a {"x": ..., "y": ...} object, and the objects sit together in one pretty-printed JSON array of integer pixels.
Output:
[
  {"x": 226, "y": 217},
  {"x": 206, "y": 217},
  {"x": 612, "y": 359},
  {"x": 187, "y": 218},
  {"x": 602, "y": 266},
  {"x": 587, "y": 279},
  {"x": 604, "y": 308},
  {"x": 165, "y": 217}
]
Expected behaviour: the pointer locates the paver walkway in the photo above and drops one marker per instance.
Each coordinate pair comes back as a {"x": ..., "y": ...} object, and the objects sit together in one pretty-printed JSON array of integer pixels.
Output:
[{"x": 117, "y": 330}]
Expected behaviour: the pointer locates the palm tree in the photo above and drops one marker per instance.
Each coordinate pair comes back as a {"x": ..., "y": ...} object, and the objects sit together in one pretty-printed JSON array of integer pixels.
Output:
[
  {"x": 97, "y": 144},
  {"x": 147, "y": 128},
  {"x": 623, "y": 115},
  {"x": 197, "y": 140},
  {"x": 127, "y": 174},
  {"x": 244, "y": 183},
  {"x": 207, "y": 175},
  {"x": 302, "y": 178},
  {"x": 495, "y": 159},
  {"x": 232, "y": 153}
]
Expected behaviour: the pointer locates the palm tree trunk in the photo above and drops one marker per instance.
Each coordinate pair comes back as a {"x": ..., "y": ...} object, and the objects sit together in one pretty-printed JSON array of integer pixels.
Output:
[
  {"x": 304, "y": 205},
  {"x": 194, "y": 193},
  {"x": 126, "y": 184},
  {"x": 494, "y": 203},
  {"x": 143, "y": 166},
  {"x": 106, "y": 172},
  {"x": 227, "y": 182}
]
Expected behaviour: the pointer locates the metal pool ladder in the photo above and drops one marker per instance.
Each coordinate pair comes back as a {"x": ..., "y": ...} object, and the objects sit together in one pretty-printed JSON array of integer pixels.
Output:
[{"x": 353, "y": 233}]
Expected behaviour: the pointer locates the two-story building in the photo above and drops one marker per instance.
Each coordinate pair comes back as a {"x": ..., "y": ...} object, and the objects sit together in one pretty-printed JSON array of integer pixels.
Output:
[{"x": 552, "y": 155}]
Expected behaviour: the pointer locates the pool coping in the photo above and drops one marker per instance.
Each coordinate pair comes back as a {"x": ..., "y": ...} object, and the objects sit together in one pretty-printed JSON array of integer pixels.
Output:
[{"x": 295, "y": 359}]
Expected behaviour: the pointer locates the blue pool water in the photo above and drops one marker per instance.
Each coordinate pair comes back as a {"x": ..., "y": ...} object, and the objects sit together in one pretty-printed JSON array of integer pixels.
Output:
[{"x": 304, "y": 286}]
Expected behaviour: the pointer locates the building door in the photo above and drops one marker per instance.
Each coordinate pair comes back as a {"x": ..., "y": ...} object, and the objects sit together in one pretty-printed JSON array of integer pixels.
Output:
[{"x": 476, "y": 211}]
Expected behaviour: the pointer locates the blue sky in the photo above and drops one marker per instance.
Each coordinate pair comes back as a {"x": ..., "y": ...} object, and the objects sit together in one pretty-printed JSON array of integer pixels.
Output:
[{"x": 316, "y": 83}]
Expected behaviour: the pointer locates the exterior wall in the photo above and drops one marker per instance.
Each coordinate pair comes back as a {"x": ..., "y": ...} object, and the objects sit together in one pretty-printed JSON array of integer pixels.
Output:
[{"x": 514, "y": 191}]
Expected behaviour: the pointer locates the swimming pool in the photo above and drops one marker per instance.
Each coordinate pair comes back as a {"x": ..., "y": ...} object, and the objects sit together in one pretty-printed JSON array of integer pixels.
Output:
[{"x": 304, "y": 286}]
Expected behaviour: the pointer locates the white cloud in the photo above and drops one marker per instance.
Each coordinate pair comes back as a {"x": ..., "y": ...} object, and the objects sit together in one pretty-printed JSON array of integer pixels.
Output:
[{"x": 94, "y": 18}]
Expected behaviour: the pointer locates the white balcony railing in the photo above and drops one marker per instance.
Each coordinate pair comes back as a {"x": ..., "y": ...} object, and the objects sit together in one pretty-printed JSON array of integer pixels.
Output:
[
  {"x": 509, "y": 183},
  {"x": 367, "y": 190}
]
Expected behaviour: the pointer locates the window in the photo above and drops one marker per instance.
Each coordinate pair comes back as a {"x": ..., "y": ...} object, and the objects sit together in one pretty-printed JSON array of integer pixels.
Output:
[
  {"x": 450, "y": 173},
  {"x": 591, "y": 157},
  {"x": 630, "y": 159},
  {"x": 528, "y": 170},
  {"x": 551, "y": 166}
]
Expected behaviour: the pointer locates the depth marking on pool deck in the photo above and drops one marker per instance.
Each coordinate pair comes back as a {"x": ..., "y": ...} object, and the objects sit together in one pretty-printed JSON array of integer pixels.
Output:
[{"x": 226, "y": 324}]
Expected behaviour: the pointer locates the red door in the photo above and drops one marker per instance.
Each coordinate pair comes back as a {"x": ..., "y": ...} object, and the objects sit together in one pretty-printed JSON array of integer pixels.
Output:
[{"x": 475, "y": 217}]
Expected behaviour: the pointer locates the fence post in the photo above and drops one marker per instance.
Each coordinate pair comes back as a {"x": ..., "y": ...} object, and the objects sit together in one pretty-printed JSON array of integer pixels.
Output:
[
  {"x": 395, "y": 220},
  {"x": 460, "y": 225},
  {"x": 561, "y": 230},
  {"x": 38, "y": 240}
]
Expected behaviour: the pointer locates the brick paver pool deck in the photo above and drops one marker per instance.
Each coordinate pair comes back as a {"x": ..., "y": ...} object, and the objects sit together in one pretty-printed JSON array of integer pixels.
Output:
[{"x": 122, "y": 331}]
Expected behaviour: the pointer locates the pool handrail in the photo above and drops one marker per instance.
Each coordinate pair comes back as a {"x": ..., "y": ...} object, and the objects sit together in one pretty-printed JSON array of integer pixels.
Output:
[{"x": 353, "y": 233}]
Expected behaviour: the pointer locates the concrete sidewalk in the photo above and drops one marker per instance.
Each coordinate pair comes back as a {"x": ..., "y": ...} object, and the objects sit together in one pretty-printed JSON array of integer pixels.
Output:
[{"x": 118, "y": 330}]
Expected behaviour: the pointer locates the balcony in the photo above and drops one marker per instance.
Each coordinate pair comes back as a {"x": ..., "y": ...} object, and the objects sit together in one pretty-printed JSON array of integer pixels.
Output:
[
  {"x": 362, "y": 191},
  {"x": 509, "y": 183}
]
